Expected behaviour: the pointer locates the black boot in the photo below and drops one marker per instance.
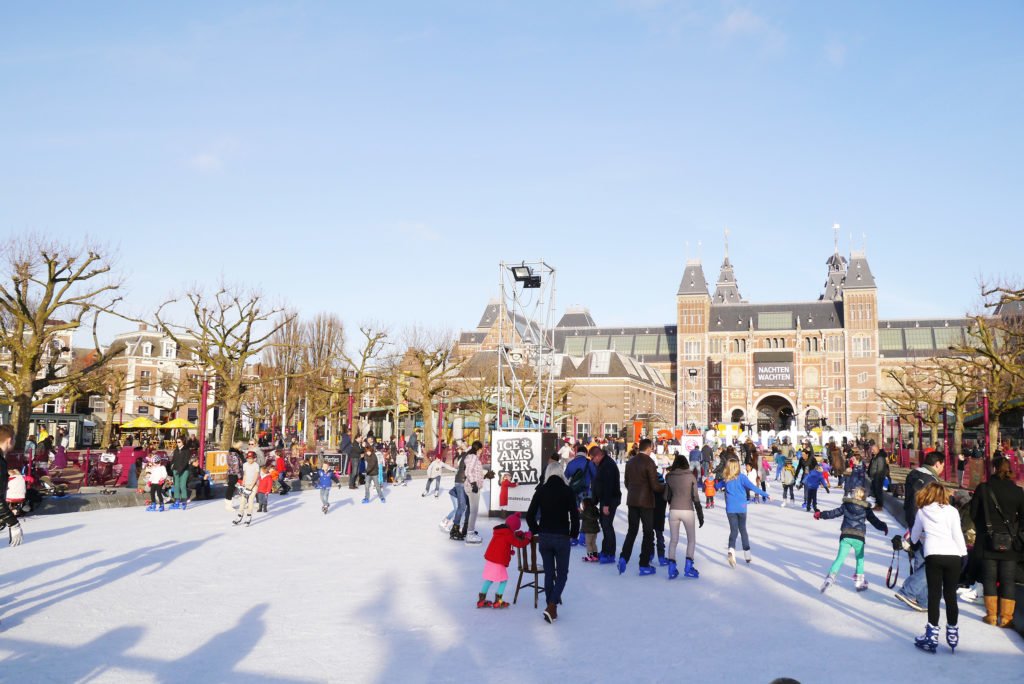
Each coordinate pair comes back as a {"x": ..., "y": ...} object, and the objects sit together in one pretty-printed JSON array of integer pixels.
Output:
[{"x": 456, "y": 534}]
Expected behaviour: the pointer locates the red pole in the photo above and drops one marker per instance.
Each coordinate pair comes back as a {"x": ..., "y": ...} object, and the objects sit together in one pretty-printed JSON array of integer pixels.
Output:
[
  {"x": 351, "y": 405},
  {"x": 950, "y": 473},
  {"x": 440, "y": 426},
  {"x": 202, "y": 422}
]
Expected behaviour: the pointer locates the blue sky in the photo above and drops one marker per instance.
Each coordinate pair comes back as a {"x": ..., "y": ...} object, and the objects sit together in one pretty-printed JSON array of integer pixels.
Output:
[{"x": 378, "y": 159}]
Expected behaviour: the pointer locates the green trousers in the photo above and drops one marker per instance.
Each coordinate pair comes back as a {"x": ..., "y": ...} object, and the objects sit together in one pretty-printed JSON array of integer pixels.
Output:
[
  {"x": 180, "y": 489},
  {"x": 845, "y": 546}
]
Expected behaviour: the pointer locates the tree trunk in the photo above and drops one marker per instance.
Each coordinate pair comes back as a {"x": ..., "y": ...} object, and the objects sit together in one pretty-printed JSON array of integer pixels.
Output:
[
  {"x": 21, "y": 416},
  {"x": 232, "y": 409},
  {"x": 483, "y": 425},
  {"x": 429, "y": 443},
  {"x": 956, "y": 446},
  {"x": 993, "y": 434},
  {"x": 934, "y": 428}
]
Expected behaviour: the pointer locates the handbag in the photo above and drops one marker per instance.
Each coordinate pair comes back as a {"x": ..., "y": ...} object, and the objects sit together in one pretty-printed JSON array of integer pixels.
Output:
[{"x": 1000, "y": 542}]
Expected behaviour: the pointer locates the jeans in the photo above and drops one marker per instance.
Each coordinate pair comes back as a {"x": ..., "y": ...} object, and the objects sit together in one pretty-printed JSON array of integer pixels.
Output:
[
  {"x": 374, "y": 482},
  {"x": 400, "y": 473},
  {"x": 608, "y": 532},
  {"x": 916, "y": 586},
  {"x": 180, "y": 488},
  {"x": 474, "y": 507},
  {"x": 455, "y": 504},
  {"x": 787, "y": 488},
  {"x": 1001, "y": 572},
  {"x": 461, "y": 503},
  {"x": 943, "y": 574},
  {"x": 261, "y": 499},
  {"x": 845, "y": 546},
  {"x": 637, "y": 517},
  {"x": 687, "y": 519},
  {"x": 554, "y": 550},
  {"x": 738, "y": 523},
  {"x": 325, "y": 495},
  {"x": 229, "y": 494},
  {"x": 436, "y": 481},
  {"x": 778, "y": 472}
]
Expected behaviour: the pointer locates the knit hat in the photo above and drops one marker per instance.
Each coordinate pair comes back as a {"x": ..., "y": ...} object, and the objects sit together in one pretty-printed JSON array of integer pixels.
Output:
[
  {"x": 514, "y": 522},
  {"x": 555, "y": 470}
]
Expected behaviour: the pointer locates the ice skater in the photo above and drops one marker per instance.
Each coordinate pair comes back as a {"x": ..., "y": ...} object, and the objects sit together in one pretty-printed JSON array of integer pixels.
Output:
[
  {"x": 590, "y": 524},
  {"x": 709, "y": 490},
  {"x": 250, "y": 480},
  {"x": 855, "y": 511},
  {"x": 434, "y": 471},
  {"x": 374, "y": 473},
  {"x": 736, "y": 487},
  {"x": 498, "y": 555},
  {"x": 264, "y": 489},
  {"x": 325, "y": 478},
  {"x": 814, "y": 480},
  {"x": 155, "y": 477}
]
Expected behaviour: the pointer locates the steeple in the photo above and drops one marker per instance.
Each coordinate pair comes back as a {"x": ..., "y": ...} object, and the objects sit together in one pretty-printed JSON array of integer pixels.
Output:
[
  {"x": 859, "y": 276},
  {"x": 836, "y": 272},
  {"x": 693, "y": 282},
  {"x": 726, "y": 289}
]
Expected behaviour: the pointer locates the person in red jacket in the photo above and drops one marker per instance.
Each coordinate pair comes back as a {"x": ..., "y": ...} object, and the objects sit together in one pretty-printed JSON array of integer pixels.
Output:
[
  {"x": 506, "y": 483},
  {"x": 282, "y": 473},
  {"x": 497, "y": 557},
  {"x": 264, "y": 488}
]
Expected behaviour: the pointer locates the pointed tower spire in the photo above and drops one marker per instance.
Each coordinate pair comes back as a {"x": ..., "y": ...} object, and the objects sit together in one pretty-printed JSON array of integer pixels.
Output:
[
  {"x": 836, "y": 271},
  {"x": 726, "y": 289}
]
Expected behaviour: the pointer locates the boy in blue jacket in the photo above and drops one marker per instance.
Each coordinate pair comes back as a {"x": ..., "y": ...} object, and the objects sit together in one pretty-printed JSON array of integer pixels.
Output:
[
  {"x": 325, "y": 477},
  {"x": 814, "y": 479}
]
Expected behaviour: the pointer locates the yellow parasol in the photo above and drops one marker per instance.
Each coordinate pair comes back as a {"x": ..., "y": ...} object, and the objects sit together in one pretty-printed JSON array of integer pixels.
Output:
[
  {"x": 140, "y": 423},
  {"x": 177, "y": 424}
]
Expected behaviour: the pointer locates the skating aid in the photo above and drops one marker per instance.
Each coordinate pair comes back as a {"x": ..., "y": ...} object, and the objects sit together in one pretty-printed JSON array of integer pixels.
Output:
[{"x": 891, "y": 578}]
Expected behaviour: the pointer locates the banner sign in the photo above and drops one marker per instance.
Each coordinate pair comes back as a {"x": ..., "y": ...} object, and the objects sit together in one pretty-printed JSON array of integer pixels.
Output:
[
  {"x": 773, "y": 369},
  {"x": 217, "y": 464},
  {"x": 517, "y": 455}
]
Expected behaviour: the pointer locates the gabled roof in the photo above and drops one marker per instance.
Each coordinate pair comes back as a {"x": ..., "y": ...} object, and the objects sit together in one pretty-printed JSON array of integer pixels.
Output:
[
  {"x": 820, "y": 315},
  {"x": 576, "y": 317},
  {"x": 693, "y": 282},
  {"x": 858, "y": 276},
  {"x": 489, "y": 316}
]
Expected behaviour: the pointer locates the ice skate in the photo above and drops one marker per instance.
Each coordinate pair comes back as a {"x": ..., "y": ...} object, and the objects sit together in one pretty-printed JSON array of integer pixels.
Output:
[
  {"x": 662, "y": 561},
  {"x": 473, "y": 538},
  {"x": 151, "y": 507},
  {"x": 929, "y": 641},
  {"x": 591, "y": 558},
  {"x": 605, "y": 560},
  {"x": 482, "y": 602},
  {"x": 830, "y": 579},
  {"x": 446, "y": 525},
  {"x": 673, "y": 571},
  {"x": 366, "y": 501},
  {"x": 746, "y": 556},
  {"x": 952, "y": 637},
  {"x": 860, "y": 583},
  {"x": 732, "y": 558},
  {"x": 160, "y": 509},
  {"x": 783, "y": 503},
  {"x": 622, "y": 565},
  {"x": 551, "y": 613},
  {"x": 499, "y": 603},
  {"x": 689, "y": 570},
  {"x": 647, "y": 570}
]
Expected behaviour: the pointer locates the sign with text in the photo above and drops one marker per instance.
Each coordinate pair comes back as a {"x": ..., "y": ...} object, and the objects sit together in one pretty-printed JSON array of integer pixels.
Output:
[
  {"x": 517, "y": 456},
  {"x": 773, "y": 369}
]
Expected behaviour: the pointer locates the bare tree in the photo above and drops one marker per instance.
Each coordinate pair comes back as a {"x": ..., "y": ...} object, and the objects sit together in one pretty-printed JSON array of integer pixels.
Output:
[
  {"x": 361, "y": 364},
  {"x": 432, "y": 364},
  {"x": 284, "y": 360},
  {"x": 323, "y": 382},
  {"x": 46, "y": 291},
  {"x": 232, "y": 329}
]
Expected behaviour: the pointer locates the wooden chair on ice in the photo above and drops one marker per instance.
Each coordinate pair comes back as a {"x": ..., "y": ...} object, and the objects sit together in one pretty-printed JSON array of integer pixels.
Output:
[{"x": 526, "y": 558}]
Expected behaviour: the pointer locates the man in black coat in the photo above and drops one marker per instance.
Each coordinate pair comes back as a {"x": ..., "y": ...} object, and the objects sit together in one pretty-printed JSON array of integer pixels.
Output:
[
  {"x": 607, "y": 497},
  {"x": 878, "y": 470},
  {"x": 558, "y": 522}
]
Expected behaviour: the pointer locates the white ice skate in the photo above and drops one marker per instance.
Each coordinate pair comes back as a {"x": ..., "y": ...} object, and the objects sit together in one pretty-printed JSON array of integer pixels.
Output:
[
  {"x": 732, "y": 558},
  {"x": 473, "y": 537},
  {"x": 446, "y": 525},
  {"x": 746, "y": 555}
]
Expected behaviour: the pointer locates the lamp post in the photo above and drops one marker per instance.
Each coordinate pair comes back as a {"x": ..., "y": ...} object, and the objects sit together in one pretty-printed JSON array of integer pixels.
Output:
[
  {"x": 984, "y": 409},
  {"x": 203, "y": 399}
]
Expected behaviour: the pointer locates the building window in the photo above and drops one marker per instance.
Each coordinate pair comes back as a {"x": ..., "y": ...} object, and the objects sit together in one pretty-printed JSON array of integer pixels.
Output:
[
  {"x": 863, "y": 395},
  {"x": 919, "y": 338},
  {"x": 574, "y": 346},
  {"x": 861, "y": 346},
  {"x": 169, "y": 350},
  {"x": 832, "y": 344},
  {"x": 837, "y": 383},
  {"x": 862, "y": 378},
  {"x": 739, "y": 346},
  {"x": 716, "y": 345},
  {"x": 837, "y": 367},
  {"x": 611, "y": 429},
  {"x": 193, "y": 415},
  {"x": 582, "y": 430},
  {"x": 147, "y": 349},
  {"x": 645, "y": 345},
  {"x": 97, "y": 403},
  {"x": 144, "y": 380},
  {"x": 837, "y": 404},
  {"x": 692, "y": 350}
]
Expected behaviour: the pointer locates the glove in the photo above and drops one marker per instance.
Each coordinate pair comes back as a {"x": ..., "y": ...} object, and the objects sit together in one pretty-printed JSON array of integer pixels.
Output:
[
  {"x": 817, "y": 515},
  {"x": 16, "y": 535},
  {"x": 474, "y": 488},
  {"x": 827, "y": 490},
  {"x": 700, "y": 519},
  {"x": 885, "y": 529}
]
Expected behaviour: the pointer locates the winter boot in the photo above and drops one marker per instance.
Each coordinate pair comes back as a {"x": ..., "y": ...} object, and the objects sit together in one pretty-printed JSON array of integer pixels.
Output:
[
  {"x": 673, "y": 571},
  {"x": 498, "y": 603},
  {"x": 830, "y": 579},
  {"x": 152, "y": 507},
  {"x": 689, "y": 570},
  {"x": 622, "y": 565},
  {"x": 860, "y": 582},
  {"x": 662, "y": 561},
  {"x": 731, "y": 558},
  {"x": 647, "y": 570},
  {"x": 991, "y": 610},
  {"x": 482, "y": 601},
  {"x": 929, "y": 641},
  {"x": 746, "y": 556},
  {"x": 952, "y": 637},
  {"x": 551, "y": 613},
  {"x": 1006, "y": 608}
]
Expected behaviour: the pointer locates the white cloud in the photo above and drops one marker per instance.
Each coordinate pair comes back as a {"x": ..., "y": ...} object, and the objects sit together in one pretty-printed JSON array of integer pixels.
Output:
[
  {"x": 745, "y": 24},
  {"x": 835, "y": 52},
  {"x": 418, "y": 231},
  {"x": 207, "y": 162}
]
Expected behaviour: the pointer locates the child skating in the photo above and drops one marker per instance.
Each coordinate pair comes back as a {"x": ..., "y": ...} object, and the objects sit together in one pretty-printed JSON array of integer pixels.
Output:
[
  {"x": 709, "y": 490},
  {"x": 855, "y": 511},
  {"x": 497, "y": 557},
  {"x": 156, "y": 475},
  {"x": 590, "y": 525},
  {"x": 788, "y": 482},
  {"x": 814, "y": 479},
  {"x": 326, "y": 477},
  {"x": 264, "y": 489}
]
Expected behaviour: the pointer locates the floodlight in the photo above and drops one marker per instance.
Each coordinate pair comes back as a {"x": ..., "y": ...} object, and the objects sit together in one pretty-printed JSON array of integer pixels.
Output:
[{"x": 521, "y": 273}]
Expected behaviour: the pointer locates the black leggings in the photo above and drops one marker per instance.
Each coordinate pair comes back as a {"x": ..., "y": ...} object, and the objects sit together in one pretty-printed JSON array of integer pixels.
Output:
[
  {"x": 943, "y": 575},
  {"x": 1001, "y": 572},
  {"x": 155, "y": 491},
  {"x": 229, "y": 493}
]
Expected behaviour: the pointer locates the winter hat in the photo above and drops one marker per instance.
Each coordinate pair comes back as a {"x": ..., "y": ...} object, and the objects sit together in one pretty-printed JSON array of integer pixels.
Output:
[
  {"x": 514, "y": 522},
  {"x": 554, "y": 470}
]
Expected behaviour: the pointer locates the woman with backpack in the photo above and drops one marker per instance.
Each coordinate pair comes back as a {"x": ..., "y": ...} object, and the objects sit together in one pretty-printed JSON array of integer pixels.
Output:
[{"x": 997, "y": 510}]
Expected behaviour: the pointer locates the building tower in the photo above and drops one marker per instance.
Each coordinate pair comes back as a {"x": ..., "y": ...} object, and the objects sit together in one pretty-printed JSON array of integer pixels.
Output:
[
  {"x": 860, "y": 319},
  {"x": 693, "y": 311}
]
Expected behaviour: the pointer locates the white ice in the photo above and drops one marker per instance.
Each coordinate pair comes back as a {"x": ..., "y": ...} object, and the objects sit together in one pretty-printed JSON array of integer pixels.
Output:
[{"x": 376, "y": 593}]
